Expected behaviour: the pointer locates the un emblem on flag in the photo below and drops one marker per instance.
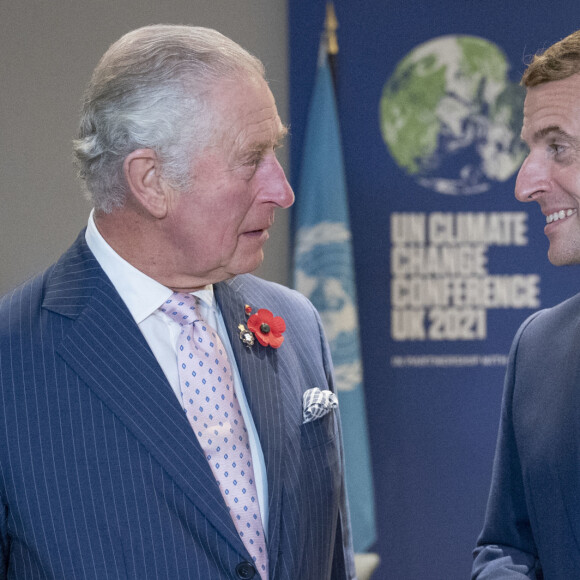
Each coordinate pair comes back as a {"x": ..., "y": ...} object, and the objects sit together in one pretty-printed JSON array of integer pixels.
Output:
[{"x": 324, "y": 274}]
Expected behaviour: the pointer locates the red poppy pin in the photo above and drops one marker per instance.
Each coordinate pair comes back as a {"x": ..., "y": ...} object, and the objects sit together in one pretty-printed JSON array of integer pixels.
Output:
[{"x": 266, "y": 327}]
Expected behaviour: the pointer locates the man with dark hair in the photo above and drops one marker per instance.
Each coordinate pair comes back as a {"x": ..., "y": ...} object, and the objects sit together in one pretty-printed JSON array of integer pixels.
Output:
[
  {"x": 164, "y": 414},
  {"x": 532, "y": 525}
]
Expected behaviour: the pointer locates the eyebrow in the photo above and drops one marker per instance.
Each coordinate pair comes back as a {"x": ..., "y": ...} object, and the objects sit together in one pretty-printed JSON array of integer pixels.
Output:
[
  {"x": 281, "y": 135},
  {"x": 276, "y": 141},
  {"x": 556, "y": 131}
]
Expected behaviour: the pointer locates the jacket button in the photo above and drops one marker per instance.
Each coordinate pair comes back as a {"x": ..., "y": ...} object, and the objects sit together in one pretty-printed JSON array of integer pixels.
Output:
[{"x": 245, "y": 570}]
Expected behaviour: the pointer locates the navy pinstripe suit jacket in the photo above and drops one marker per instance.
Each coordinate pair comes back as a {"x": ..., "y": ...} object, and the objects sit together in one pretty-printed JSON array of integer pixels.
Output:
[{"x": 101, "y": 475}]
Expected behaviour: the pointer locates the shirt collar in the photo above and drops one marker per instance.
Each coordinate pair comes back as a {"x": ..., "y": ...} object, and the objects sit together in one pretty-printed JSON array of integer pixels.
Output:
[{"x": 142, "y": 294}]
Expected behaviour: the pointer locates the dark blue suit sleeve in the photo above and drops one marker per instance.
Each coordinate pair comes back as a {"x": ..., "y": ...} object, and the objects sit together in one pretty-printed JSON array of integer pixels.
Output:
[
  {"x": 506, "y": 547},
  {"x": 4, "y": 542}
]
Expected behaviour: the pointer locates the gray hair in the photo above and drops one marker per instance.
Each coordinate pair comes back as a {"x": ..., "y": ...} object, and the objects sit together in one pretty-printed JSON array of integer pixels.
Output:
[{"x": 152, "y": 89}]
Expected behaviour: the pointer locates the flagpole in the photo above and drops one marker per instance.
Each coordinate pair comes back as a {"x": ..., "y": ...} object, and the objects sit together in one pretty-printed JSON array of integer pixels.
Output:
[{"x": 331, "y": 40}]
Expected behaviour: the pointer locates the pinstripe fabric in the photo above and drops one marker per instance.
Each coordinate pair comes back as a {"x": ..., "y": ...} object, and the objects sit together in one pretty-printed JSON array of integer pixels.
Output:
[{"x": 100, "y": 474}]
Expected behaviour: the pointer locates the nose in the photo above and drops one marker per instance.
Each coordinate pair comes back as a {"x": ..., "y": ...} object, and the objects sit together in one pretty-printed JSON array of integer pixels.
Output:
[
  {"x": 273, "y": 183},
  {"x": 533, "y": 178}
]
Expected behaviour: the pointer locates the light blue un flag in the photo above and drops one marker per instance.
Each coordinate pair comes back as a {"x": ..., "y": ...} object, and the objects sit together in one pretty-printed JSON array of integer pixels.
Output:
[{"x": 324, "y": 272}]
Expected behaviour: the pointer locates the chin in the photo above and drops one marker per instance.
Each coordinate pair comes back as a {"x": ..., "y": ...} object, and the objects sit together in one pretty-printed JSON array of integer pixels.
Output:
[
  {"x": 250, "y": 265},
  {"x": 563, "y": 259}
]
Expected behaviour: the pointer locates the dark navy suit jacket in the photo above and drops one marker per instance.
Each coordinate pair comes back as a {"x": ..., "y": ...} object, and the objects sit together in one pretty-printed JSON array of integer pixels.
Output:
[
  {"x": 101, "y": 475},
  {"x": 532, "y": 525}
]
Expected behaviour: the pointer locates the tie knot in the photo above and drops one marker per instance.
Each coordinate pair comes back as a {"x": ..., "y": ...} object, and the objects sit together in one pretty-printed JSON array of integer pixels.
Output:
[{"x": 182, "y": 308}]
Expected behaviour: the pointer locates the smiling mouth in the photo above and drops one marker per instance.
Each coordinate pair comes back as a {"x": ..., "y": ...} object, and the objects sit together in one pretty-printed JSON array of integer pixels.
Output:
[{"x": 559, "y": 215}]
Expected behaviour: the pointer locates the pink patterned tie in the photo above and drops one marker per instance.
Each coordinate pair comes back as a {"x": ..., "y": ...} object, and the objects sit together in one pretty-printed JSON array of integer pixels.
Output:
[{"x": 212, "y": 408}]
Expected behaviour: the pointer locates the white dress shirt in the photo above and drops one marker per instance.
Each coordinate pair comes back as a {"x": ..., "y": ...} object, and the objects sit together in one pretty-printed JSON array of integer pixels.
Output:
[{"x": 143, "y": 296}]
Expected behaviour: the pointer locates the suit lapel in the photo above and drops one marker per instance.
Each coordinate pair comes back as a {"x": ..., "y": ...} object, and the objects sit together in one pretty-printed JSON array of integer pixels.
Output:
[
  {"x": 107, "y": 350},
  {"x": 258, "y": 368}
]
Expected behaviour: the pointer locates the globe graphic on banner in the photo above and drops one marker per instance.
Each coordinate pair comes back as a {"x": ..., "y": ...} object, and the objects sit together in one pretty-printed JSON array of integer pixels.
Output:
[{"x": 451, "y": 118}]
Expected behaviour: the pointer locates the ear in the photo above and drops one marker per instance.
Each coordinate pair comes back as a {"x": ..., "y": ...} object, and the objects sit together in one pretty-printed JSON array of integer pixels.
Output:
[{"x": 143, "y": 174}]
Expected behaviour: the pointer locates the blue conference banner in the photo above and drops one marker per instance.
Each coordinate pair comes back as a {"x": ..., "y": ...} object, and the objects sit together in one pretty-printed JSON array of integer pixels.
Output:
[{"x": 448, "y": 263}]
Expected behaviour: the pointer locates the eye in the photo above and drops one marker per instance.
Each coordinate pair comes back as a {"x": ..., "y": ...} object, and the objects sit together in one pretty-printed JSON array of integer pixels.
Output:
[
  {"x": 254, "y": 160},
  {"x": 557, "y": 148},
  {"x": 249, "y": 167}
]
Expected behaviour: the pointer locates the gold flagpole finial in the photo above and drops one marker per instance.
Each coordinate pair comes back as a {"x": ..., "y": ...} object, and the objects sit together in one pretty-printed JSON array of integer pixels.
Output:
[{"x": 330, "y": 26}]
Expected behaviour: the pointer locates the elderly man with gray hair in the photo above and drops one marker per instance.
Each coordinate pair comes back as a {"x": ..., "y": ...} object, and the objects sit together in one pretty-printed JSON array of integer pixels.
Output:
[{"x": 165, "y": 414}]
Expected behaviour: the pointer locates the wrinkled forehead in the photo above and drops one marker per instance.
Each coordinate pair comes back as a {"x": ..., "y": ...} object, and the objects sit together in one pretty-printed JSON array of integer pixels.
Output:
[
  {"x": 245, "y": 110},
  {"x": 555, "y": 104}
]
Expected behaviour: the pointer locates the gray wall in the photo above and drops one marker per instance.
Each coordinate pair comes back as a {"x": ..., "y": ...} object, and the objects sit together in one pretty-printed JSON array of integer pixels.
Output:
[{"x": 47, "y": 53}]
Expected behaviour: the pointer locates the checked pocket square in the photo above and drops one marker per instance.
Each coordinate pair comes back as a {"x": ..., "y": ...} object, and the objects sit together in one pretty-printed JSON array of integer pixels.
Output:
[{"x": 317, "y": 403}]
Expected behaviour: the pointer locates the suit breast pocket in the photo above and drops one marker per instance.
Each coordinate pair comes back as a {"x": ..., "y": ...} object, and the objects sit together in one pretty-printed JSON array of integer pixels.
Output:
[{"x": 318, "y": 432}]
